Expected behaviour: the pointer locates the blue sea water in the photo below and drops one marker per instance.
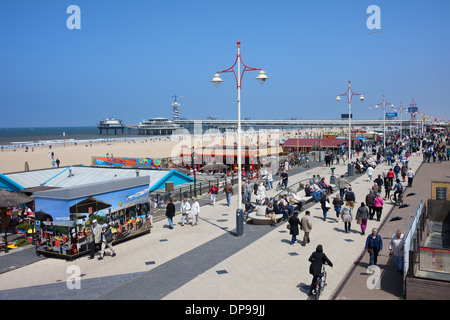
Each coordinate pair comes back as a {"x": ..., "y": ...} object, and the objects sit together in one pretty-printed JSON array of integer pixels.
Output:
[{"x": 14, "y": 137}]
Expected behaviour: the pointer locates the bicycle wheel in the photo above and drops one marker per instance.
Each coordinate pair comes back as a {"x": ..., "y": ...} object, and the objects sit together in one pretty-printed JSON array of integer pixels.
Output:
[
  {"x": 323, "y": 281},
  {"x": 318, "y": 289},
  {"x": 392, "y": 198}
]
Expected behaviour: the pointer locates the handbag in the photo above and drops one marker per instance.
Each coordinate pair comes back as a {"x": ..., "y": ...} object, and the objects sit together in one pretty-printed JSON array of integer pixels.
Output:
[
  {"x": 288, "y": 226},
  {"x": 327, "y": 205},
  {"x": 359, "y": 220}
]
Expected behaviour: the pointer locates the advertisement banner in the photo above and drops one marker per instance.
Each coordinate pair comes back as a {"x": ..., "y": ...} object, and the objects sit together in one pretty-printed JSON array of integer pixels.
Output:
[{"x": 127, "y": 162}]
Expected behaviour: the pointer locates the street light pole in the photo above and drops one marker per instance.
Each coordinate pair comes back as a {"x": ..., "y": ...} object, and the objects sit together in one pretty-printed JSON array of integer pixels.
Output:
[
  {"x": 383, "y": 104},
  {"x": 349, "y": 94},
  {"x": 216, "y": 81}
]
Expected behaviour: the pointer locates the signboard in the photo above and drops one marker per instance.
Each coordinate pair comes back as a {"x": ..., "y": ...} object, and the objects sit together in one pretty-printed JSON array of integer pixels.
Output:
[
  {"x": 127, "y": 162},
  {"x": 345, "y": 116},
  {"x": 413, "y": 109},
  {"x": 391, "y": 114}
]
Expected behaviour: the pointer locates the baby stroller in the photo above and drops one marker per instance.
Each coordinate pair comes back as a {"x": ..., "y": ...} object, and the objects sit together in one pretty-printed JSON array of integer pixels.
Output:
[
  {"x": 249, "y": 208},
  {"x": 280, "y": 186}
]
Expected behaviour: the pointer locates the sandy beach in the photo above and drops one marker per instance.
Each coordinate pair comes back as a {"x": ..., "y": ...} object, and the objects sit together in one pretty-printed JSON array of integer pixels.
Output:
[{"x": 82, "y": 153}]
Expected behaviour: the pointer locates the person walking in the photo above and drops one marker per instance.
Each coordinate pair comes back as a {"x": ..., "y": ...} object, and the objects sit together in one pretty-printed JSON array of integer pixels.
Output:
[
  {"x": 269, "y": 180},
  {"x": 317, "y": 259},
  {"x": 325, "y": 204},
  {"x": 361, "y": 217},
  {"x": 410, "y": 174},
  {"x": 338, "y": 203},
  {"x": 170, "y": 212},
  {"x": 374, "y": 245},
  {"x": 350, "y": 197},
  {"x": 378, "y": 205},
  {"x": 294, "y": 223},
  {"x": 390, "y": 177},
  {"x": 369, "y": 202},
  {"x": 347, "y": 217},
  {"x": 284, "y": 178},
  {"x": 185, "y": 209},
  {"x": 228, "y": 190},
  {"x": 369, "y": 172},
  {"x": 96, "y": 237},
  {"x": 396, "y": 248},
  {"x": 213, "y": 191},
  {"x": 195, "y": 211},
  {"x": 248, "y": 188},
  {"x": 106, "y": 241},
  {"x": 341, "y": 184},
  {"x": 403, "y": 172},
  {"x": 306, "y": 226},
  {"x": 397, "y": 170}
]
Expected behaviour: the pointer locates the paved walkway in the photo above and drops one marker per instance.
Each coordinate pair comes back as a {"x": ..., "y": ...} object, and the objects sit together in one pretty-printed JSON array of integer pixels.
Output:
[{"x": 207, "y": 261}]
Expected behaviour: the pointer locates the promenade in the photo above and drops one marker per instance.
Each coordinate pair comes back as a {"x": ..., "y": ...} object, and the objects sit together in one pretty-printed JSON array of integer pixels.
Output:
[{"x": 209, "y": 262}]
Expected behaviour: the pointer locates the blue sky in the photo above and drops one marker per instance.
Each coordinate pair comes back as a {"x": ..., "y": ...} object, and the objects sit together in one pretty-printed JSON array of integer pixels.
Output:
[{"x": 130, "y": 57}]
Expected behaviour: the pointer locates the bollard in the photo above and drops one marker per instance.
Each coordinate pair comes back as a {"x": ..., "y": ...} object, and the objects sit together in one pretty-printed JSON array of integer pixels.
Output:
[{"x": 239, "y": 222}]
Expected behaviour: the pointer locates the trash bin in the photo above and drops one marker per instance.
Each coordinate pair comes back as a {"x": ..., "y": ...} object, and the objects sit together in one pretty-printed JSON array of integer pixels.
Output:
[
  {"x": 239, "y": 222},
  {"x": 351, "y": 169},
  {"x": 332, "y": 178}
]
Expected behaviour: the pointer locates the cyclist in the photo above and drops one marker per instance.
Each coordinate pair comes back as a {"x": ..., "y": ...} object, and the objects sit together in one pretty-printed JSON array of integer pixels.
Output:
[
  {"x": 398, "y": 189},
  {"x": 317, "y": 259}
]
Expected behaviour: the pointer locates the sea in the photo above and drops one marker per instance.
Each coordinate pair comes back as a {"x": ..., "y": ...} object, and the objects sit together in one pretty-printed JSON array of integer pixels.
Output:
[{"x": 45, "y": 136}]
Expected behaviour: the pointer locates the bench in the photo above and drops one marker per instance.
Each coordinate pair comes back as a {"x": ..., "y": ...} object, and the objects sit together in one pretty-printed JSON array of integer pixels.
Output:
[{"x": 259, "y": 216}]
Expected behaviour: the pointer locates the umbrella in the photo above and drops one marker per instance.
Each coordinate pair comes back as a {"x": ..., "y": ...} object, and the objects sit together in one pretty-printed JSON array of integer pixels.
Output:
[
  {"x": 41, "y": 216},
  {"x": 75, "y": 216},
  {"x": 214, "y": 166},
  {"x": 12, "y": 199},
  {"x": 90, "y": 202}
]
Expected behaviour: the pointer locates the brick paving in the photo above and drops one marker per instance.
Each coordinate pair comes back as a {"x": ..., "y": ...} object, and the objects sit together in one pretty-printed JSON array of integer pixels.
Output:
[{"x": 194, "y": 262}]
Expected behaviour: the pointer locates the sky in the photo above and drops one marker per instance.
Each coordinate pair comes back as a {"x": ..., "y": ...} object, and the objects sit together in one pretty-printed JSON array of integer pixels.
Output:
[{"x": 129, "y": 59}]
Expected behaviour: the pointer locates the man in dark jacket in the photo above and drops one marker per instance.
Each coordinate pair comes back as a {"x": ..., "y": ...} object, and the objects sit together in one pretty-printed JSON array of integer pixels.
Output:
[
  {"x": 170, "y": 212},
  {"x": 317, "y": 259}
]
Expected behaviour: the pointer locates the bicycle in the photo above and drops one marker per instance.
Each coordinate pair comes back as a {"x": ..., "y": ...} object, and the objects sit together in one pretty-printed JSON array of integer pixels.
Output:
[
  {"x": 321, "y": 282},
  {"x": 397, "y": 201}
]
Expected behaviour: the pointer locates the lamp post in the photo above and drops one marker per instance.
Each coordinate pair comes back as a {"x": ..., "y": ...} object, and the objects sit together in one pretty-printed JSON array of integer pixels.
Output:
[
  {"x": 349, "y": 94},
  {"x": 216, "y": 81},
  {"x": 401, "y": 117},
  {"x": 383, "y": 104}
]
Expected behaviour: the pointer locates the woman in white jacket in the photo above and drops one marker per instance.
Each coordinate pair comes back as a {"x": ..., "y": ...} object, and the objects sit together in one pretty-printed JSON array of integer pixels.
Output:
[
  {"x": 195, "y": 210},
  {"x": 261, "y": 194},
  {"x": 185, "y": 209}
]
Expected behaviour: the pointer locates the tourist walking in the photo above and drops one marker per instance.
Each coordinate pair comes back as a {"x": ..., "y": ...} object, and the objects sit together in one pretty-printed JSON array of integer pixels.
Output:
[
  {"x": 369, "y": 202},
  {"x": 306, "y": 226},
  {"x": 96, "y": 237},
  {"x": 361, "y": 217},
  {"x": 195, "y": 211},
  {"x": 294, "y": 223},
  {"x": 325, "y": 204},
  {"x": 342, "y": 184},
  {"x": 107, "y": 239},
  {"x": 338, "y": 203},
  {"x": 284, "y": 178},
  {"x": 350, "y": 197},
  {"x": 228, "y": 190},
  {"x": 185, "y": 209},
  {"x": 410, "y": 174},
  {"x": 317, "y": 259},
  {"x": 347, "y": 217},
  {"x": 378, "y": 205},
  {"x": 369, "y": 172},
  {"x": 374, "y": 245},
  {"x": 248, "y": 188},
  {"x": 269, "y": 180},
  {"x": 213, "y": 191},
  {"x": 170, "y": 212},
  {"x": 396, "y": 248}
]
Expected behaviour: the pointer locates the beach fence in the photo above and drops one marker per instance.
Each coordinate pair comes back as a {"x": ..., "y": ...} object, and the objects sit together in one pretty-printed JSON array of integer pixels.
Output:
[{"x": 412, "y": 241}]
